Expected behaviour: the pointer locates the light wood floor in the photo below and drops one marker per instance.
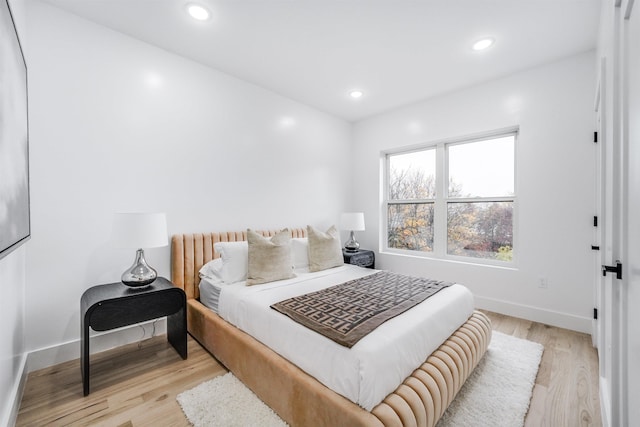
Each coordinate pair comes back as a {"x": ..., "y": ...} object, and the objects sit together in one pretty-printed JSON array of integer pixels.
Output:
[
  {"x": 137, "y": 384},
  {"x": 566, "y": 389}
]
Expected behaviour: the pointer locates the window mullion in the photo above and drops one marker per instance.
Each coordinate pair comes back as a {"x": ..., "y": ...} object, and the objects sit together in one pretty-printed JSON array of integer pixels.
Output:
[
  {"x": 481, "y": 199},
  {"x": 440, "y": 213},
  {"x": 410, "y": 201}
]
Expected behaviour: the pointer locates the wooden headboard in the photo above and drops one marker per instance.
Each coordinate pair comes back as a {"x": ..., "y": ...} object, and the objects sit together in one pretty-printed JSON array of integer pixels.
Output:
[{"x": 189, "y": 252}]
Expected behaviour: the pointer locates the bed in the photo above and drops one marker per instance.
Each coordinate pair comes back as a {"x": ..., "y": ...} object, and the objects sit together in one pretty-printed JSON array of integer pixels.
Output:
[{"x": 298, "y": 397}]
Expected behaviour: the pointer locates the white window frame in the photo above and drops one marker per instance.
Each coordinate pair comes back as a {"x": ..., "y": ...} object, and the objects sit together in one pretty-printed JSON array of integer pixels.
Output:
[{"x": 442, "y": 199}]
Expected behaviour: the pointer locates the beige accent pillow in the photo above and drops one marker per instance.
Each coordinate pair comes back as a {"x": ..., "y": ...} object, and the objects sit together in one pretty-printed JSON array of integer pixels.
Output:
[
  {"x": 325, "y": 250},
  {"x": 269, "y": 258}
]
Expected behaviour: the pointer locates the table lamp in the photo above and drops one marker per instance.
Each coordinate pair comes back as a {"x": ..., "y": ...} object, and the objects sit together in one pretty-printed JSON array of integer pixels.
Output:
[
  {"x": 138, "y": 231},
  {"x": 352, "y": 221}
]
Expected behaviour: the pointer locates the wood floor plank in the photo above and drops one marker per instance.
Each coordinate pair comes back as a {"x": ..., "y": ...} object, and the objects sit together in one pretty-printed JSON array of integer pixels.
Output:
[
  {"x": 137, "y": 384},
  {"x": 130, "y": 385}
]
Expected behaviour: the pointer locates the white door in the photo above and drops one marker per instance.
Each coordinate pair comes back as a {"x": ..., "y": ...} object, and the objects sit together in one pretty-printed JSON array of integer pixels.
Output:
[
  {"x": 618, "y": 326},
  {"x": 611, "y": 290},
  {"x": 630, "y": 339},
  {"x": 604, "y": 284}
]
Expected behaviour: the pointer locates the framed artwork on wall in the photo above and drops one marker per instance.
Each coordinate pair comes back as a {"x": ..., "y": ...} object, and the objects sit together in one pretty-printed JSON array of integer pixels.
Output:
[{"x": 15, "y": 221}]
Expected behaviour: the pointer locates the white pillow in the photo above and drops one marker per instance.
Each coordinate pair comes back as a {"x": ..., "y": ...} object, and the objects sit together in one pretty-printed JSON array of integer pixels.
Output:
[
  {"x": 325, "y": 250},
  {"x": 212, "y": 270},
  {"x": 234, "y": 260},
  {"x": 300, "y": 252}
]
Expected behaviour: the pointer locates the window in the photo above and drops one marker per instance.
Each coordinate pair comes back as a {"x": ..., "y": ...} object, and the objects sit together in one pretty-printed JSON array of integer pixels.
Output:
[
  {"x": 412, "y": 192},
  {"x": 453, "y": 199}
]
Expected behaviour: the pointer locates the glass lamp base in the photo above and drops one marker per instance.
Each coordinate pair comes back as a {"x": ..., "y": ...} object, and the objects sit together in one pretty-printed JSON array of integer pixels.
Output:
[
  {"x": 352, "y": 244},
  {"x": 140, "y": 274}
]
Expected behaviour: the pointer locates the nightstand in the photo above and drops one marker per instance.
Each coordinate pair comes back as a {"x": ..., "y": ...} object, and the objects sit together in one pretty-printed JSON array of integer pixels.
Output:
[
  {"x": 361, "y": 257},
  {"x": 106, "y": 307}
]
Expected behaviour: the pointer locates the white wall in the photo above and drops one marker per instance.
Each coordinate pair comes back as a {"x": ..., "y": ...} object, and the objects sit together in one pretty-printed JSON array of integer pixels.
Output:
[
  {"x": 12, "y": 302},
  {"x": 553, "y": 106},
  {"x": 12, "y": 350},
  {"x": 119, "y": 125}
]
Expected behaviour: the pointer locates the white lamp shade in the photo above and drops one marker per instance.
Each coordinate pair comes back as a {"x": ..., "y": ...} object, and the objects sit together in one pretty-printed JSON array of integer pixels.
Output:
[
  {"x": 140, "y": 230},
  {"x": 353, "y": 221}
]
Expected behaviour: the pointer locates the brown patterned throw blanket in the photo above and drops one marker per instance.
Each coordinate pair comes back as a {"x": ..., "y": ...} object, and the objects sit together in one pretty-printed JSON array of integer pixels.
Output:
[{"x": 347, "y": 312}]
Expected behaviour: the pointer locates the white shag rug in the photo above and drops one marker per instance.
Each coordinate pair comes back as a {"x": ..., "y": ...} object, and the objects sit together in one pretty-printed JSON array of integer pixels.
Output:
[
  {"x": 497, "y": 393},
  {"x": 225, "y": 402}
]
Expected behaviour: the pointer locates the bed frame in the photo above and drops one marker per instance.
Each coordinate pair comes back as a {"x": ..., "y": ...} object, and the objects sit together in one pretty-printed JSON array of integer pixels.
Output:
[{"x": 294, "y": 395}]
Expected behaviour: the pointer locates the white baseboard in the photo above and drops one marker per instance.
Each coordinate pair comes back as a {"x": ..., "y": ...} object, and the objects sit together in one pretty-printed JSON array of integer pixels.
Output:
[
  {"x": 49, "y": 356},
  {"x": 536, "y": 314},
  {"x": 15, "y": 397}
]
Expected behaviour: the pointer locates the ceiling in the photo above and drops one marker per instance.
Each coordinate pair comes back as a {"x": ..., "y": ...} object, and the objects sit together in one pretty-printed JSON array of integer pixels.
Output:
[{"x": 396, "y": 51}]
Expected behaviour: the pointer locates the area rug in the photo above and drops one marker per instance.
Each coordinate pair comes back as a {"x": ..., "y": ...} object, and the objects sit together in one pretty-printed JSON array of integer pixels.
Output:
[
  {"x": 225, "y": 402},
  {"x": 497, "y": 393}
]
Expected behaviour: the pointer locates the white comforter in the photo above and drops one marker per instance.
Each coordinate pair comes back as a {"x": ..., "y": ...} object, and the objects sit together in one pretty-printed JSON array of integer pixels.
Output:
[{"x": 373, "y": 367}]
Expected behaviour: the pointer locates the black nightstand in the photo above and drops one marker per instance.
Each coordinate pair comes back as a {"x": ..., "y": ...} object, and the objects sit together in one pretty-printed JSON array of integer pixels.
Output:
[
  {"x": 111, "y": 306},
  {"x": 361, "y": 257}
]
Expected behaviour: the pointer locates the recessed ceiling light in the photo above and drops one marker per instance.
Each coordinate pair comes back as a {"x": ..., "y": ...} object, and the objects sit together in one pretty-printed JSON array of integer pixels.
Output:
[
  {"x": 356, "y": 94},
  {"x": 287, "y": 122},
  {"x": 198, "y": 12},
  {"x": 483, "y": 44}
]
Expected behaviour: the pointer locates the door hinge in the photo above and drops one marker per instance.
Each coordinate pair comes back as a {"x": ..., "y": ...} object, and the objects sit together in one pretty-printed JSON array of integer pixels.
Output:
[
  {"x": 613, "y": 269},
  {"x": 595, "y": 220},
  {"x": 595, "y": 137},
  {"x": 595, "y": 313},
  {"x": 595, "y": 248}
]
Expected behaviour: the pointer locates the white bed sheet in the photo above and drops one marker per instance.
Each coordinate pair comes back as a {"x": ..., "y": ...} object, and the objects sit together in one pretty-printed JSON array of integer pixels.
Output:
[
  {"x": 373, "y": 367},
  {"x": 210, "y": 292}
]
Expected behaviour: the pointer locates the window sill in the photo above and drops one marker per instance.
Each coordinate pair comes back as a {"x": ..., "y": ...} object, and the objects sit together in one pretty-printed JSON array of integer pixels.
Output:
[{"x": 512, "y": 266}]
